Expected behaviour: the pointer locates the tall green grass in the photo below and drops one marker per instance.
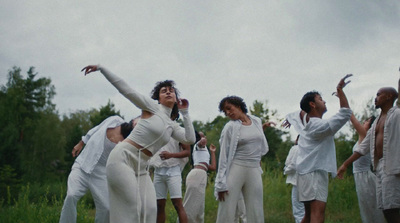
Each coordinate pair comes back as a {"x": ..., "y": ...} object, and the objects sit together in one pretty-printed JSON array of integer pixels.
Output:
[{"x": 42, "y": 203}]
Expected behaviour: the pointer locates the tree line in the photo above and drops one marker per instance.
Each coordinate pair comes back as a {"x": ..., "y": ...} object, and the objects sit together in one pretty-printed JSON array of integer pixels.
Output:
[{"x": 36, "y": 141}]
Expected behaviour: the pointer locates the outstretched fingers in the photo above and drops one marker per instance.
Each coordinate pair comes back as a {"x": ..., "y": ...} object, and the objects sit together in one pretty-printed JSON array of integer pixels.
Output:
[
  {"x": 90, "y": 68},
  {"x": 343, "y": 82}
]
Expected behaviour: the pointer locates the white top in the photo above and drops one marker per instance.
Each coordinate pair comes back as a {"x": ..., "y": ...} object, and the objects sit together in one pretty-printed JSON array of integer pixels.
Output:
[
  {"x": 108, "y": 146},
  {"x": 173, "y": 147},
  {"x": 363, "y": 164},
  {"x": 290, "y": 165},
  {"x": 95, "y": 143},
  {"x": 391, "y": 142},
  {"x": 228, "y": 144},
  {"x": 248, "y": 149},
  {"x": 316, "y": 144},
  {"x": 154, "y": 132},
  {"x": 200, "y": 155}
]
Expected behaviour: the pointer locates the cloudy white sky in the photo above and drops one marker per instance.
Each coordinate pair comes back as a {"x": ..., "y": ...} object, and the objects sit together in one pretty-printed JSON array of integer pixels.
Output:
[{"x": 259, "y": 50}]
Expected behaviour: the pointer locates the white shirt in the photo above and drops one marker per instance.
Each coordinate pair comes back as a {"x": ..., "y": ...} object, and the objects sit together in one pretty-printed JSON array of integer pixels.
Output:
[
  {"x": 248, "y": 148},
  {"x": 391, "y": 142},
  {"x": 316, "y": 144},
  {"x": 362, "y": 164},
  {"x": 173, "y": 147},
  {"x": 290, "y": 165},
  {"x": 95, "y": 143}
]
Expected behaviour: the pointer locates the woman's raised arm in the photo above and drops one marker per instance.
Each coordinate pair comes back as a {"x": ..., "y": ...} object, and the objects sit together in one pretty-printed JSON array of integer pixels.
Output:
[{"x": 141, "y": 101}]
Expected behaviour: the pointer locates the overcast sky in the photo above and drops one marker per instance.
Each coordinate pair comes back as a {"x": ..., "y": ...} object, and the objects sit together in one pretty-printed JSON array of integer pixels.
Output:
[{"x": 258, "y": 50}]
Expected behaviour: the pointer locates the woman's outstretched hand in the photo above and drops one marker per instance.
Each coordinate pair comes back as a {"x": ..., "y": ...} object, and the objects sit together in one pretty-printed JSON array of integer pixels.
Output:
[
  {"x": 89, "y": 69},
  {"x": 183, "y": 103},
  {"x": 213, "y": 148}
]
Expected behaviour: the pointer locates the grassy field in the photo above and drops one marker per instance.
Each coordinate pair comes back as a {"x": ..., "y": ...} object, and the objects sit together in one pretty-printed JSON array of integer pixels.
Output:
[{"x": 43, "y": 203}]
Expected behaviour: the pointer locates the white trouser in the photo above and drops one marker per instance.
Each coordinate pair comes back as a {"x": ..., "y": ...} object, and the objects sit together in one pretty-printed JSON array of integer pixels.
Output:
[
  {"x": 193, "y": 202},
  {"x": 297, "y": 206},
  {"x": 240, "y": 215},
  {"x": 246, "y": 180},
  {"x": 78, "y": 184},
  {"x": 366, "y": 193},
  {"x": 132, "y": 194}
]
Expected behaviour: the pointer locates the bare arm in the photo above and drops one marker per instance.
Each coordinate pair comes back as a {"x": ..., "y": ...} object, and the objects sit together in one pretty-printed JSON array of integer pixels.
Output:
[
  {"x": 77, "y": 148},
  {"x": 359, "y": 128},
  {"x": 213, "y": 164},
  {"x": 346, "y": 163},
  {"x": 340, "y": 93},
  {"x": 182, "y": 154},
  {"x": 269, "y": 124}
]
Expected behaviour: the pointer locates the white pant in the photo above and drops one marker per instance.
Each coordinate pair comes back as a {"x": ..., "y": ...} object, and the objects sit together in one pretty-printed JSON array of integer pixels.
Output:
[
  {"x": 246, "y": 180},
  {"x": 297, "y": 206},
  {"x": 366, "y": 193},
  {"x": 193, "y": 202},
  {"x": 240, "y": 215},
  {"x": 78, "y": 184},
  {"x": 132, "y": 194}
]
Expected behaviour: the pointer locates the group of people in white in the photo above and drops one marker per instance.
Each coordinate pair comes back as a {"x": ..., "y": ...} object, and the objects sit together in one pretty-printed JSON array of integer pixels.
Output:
[{"x": 118, "y": 157}]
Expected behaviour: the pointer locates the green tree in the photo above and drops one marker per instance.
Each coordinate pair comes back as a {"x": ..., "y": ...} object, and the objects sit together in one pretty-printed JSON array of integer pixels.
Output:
[
  {"x": 77, "y": 124},
  {"x": 278, "y": 149},
  {"x": 23, "y": 101},
  {"x": 97, "y": 116},
  {"x": 74, "y": 125}
]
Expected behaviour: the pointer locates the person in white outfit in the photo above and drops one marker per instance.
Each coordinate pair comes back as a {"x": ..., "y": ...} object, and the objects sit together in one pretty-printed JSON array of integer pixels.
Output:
[
  {"x": 243, "y": 143},
  {"x": 89, "y": 169},
  {"x": 196, "y": 180},
  {"x": 132, "y": 194},
  {"x": 291, "y": 177},
  {"x": 382, "y": 143},
  {"x": 364, "y": 179},
  {"x": 317, "y": 154},
  {"x": 168, "y": 164}
]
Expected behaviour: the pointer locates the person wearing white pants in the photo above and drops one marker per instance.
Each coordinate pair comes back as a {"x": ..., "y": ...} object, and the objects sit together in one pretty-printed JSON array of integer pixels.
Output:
[
  {"x": 364, "y": 179},
  {"x": 243, "y": 143},
  {"x": 196, "y": 180},
  {"x": 89, "y": 169},
  {"x": 290, "y": 171},
  {"x": 132, "y": 195}
]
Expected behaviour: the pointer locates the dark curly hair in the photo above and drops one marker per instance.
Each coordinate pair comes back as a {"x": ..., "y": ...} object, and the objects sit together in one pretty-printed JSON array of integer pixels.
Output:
[
  {"x": 155, "y": 94},
  {"x": 234, "y": 100},
  {"x": 307, "y": 98},
  {"x": 126, "y": 128}
]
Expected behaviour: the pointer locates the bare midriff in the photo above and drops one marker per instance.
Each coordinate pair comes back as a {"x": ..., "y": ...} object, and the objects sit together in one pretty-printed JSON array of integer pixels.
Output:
[
  {"x": 139, "y": 147},
  {"x": 201, "y": 166}
]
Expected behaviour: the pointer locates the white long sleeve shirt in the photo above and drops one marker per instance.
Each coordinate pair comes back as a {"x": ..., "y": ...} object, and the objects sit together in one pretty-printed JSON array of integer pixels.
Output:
[
  {"x": 391, "y": 142},
  {"x": 95, "y": 146},
  {"x": 316, "y": 143},
  {"x": 154, "y": 132}
]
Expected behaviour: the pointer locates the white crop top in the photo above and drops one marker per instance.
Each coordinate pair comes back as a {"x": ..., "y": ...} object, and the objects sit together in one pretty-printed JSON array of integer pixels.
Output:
[
  {"x": 154, "y": 132},
  {"x": 200, "y": 155}
]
